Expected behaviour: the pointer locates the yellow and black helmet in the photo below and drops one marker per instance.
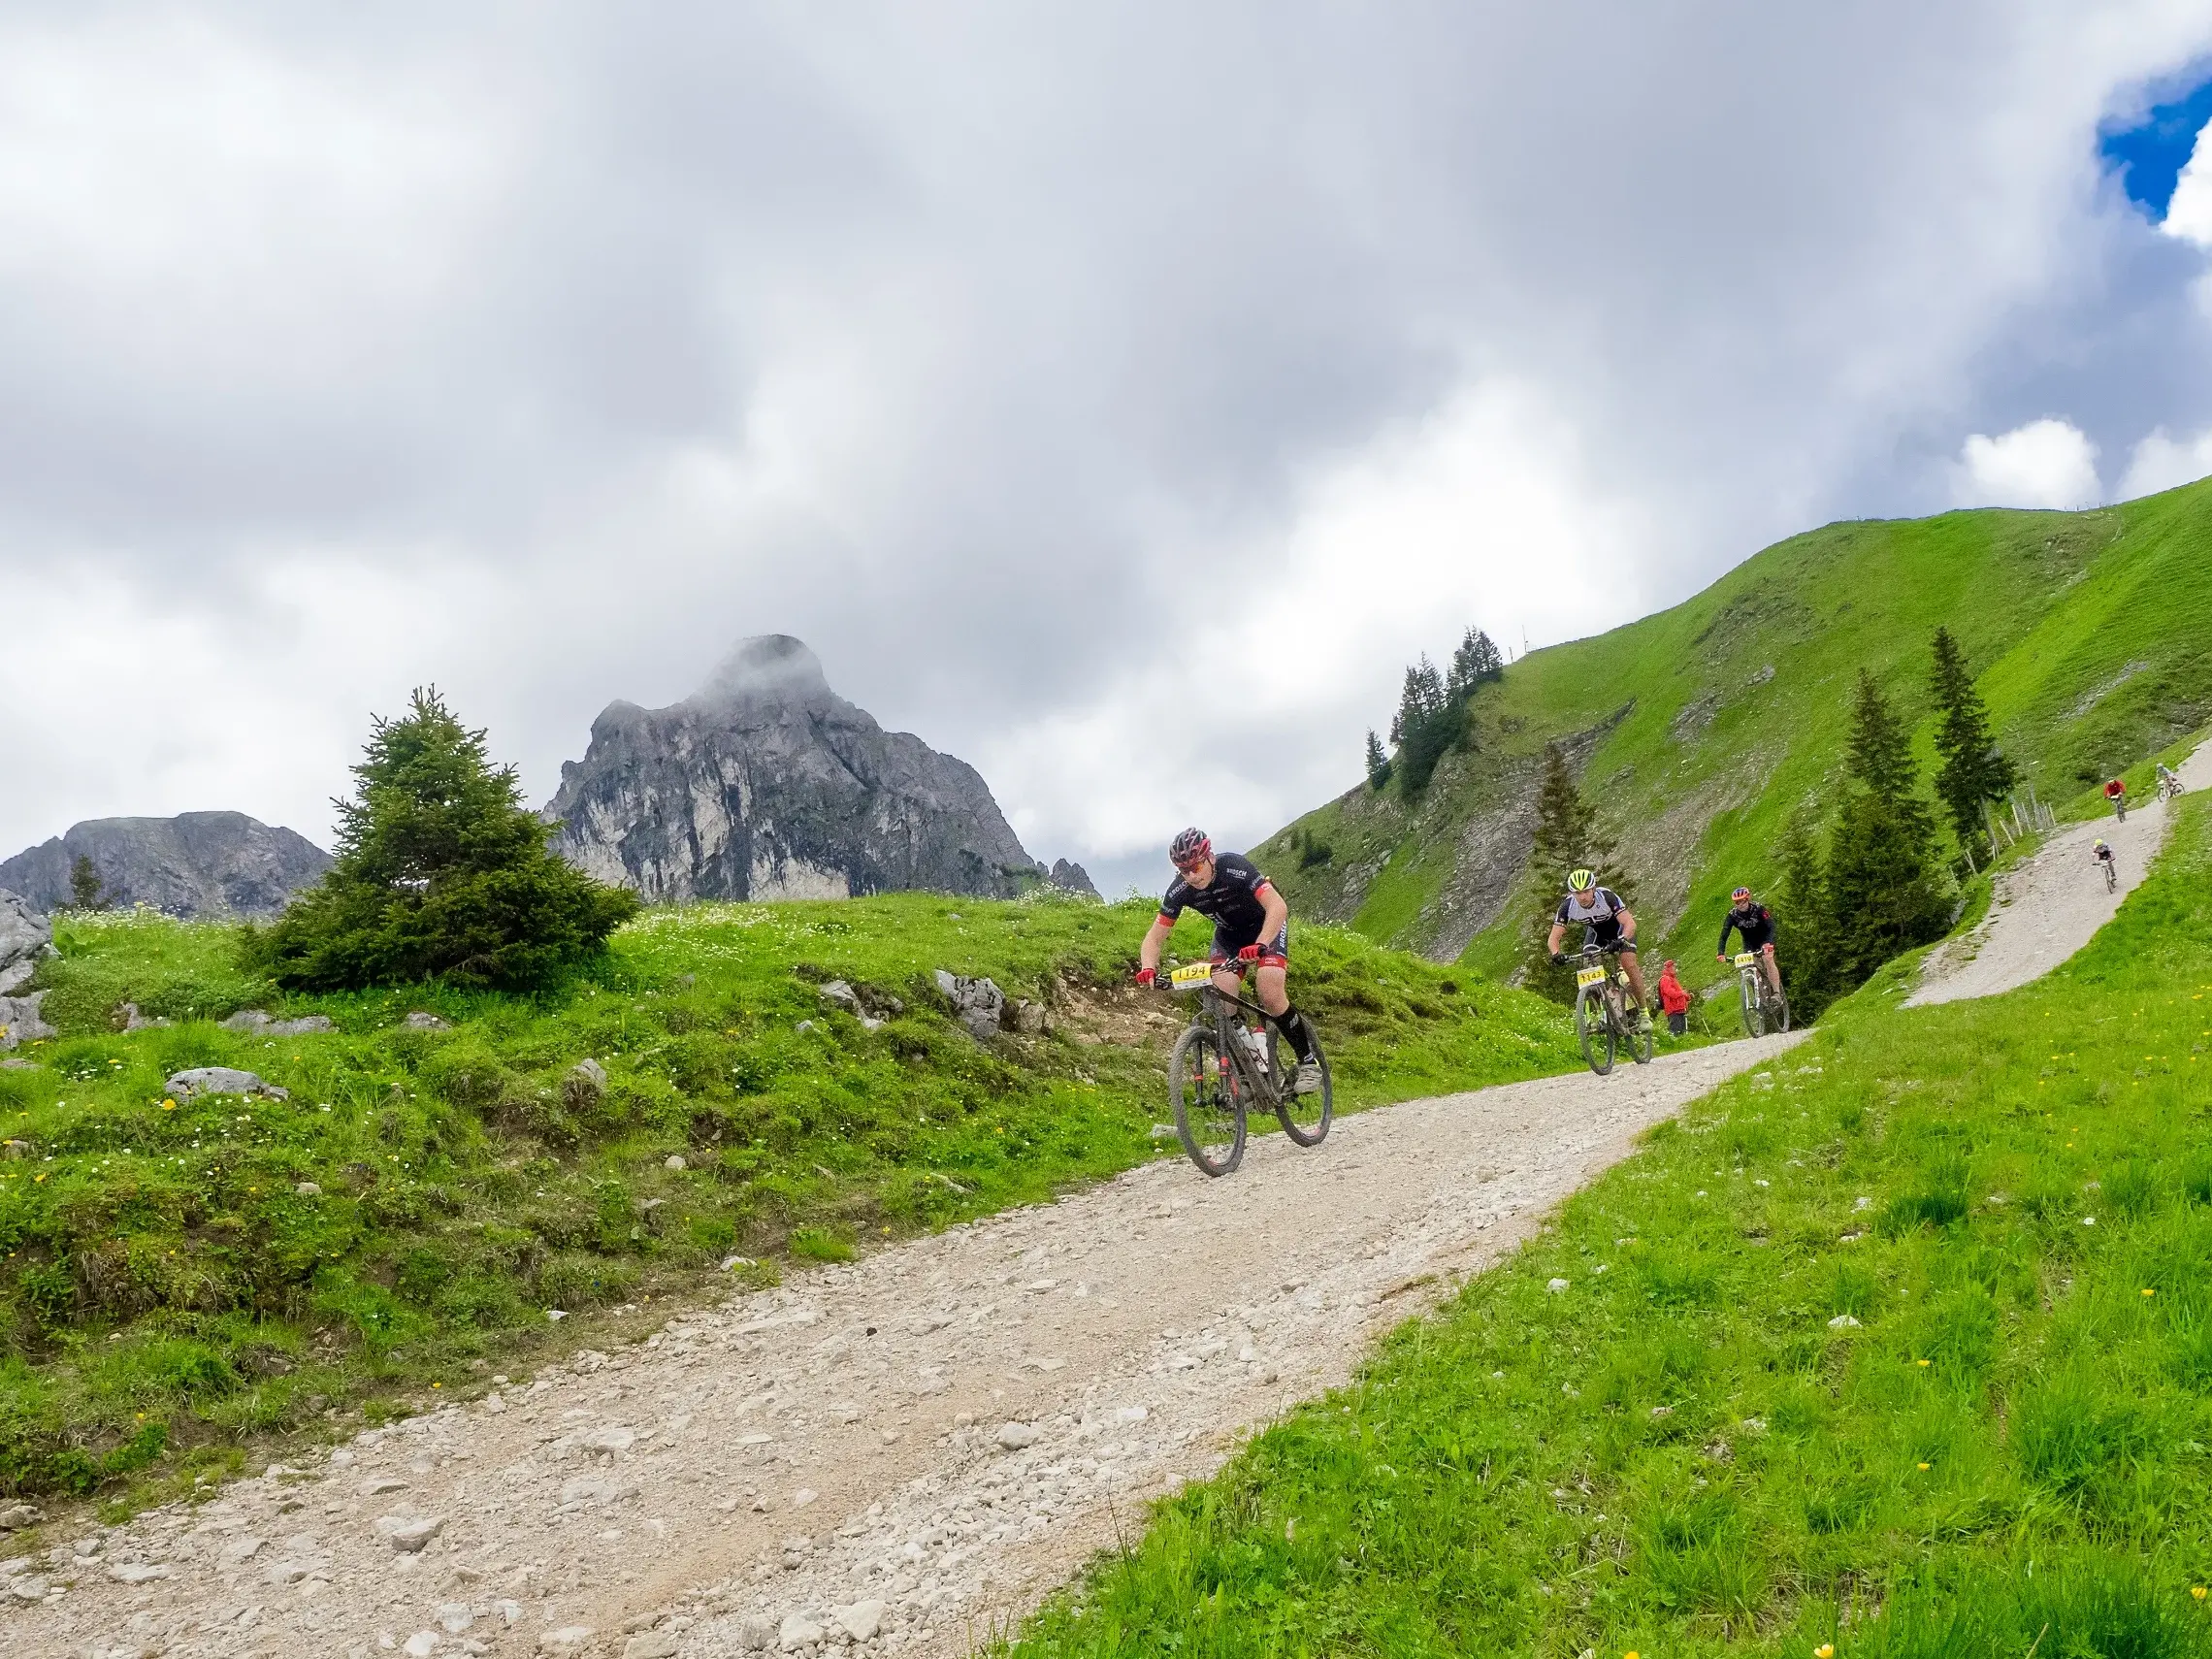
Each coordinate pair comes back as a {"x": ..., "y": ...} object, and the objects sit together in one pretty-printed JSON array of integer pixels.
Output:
[{"x": 1581, "y": 881}]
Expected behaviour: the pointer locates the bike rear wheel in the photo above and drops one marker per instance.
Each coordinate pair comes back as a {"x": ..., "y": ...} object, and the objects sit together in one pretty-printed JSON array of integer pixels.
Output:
[
  {"x": 1594, "y": 1029},
  {"x": 2111, "y": 879},
  {"x": 1754, "y": 1015},
  {"x": 1209, "y": 1101},
  {"x": 1305, "y": 1117}
]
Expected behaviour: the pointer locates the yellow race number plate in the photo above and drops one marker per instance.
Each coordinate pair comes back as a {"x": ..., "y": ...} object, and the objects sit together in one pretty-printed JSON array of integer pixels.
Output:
[
  {"x": 1190, "y": 978},
  {"x": 1744, "y": 958},
  {"x": 1589, "y": 976}
]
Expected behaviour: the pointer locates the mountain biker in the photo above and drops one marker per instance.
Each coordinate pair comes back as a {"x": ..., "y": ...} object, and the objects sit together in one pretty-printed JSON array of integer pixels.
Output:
[
  {"x": 1605, "y": 920},
  {"x": 2103, "y": 856},
  {"x": 1756, "y": 922},
  {"x": 1252, "y": 924},
  {"x": 2116, "y": 796},
  {"x": 2168, "y": 784}
]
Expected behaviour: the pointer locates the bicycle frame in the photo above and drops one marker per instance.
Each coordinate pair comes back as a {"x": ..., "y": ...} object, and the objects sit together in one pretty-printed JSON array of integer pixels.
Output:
[{"x": 1215, "y": 1005}]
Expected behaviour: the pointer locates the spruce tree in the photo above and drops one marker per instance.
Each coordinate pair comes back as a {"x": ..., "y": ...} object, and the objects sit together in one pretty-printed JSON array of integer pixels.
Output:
[
  {"x": 84, "y": 884},
  {"x": 1884, "y": 891},
  {"x": 1974, "y": 769},
  {"x": 441, "y": 873},
  {"x": 1426, "y": 724},
  {"x": 1476, "y": 662},
  {"x": 1377, "y": 762},
  {"x": 1568, "y": 837},
  {"x": 1804, "y": 922}
]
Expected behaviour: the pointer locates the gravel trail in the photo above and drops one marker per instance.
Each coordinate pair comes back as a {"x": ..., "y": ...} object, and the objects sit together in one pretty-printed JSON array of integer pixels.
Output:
[
  {"x": 891, "y": 1457},
  {"x": 2051, "y": 903}
]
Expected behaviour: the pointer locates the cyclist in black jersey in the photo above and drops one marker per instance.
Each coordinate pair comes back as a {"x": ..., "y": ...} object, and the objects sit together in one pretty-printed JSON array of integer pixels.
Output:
[
  {"x": 1252, "y": 924},
  {"x": 1605, "y": 920},
  {"x": 1756, "y": 924}
]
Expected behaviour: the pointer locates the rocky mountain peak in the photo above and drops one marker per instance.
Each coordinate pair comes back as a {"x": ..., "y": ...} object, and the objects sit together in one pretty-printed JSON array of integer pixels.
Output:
[
  {"x": 765, "y": 784},
  {"x": 768, "y": 668}
]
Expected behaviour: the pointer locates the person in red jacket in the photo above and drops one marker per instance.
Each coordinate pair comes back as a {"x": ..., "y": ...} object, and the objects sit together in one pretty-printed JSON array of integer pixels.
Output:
[
  {"x": 1673, "y": 1000},
  {"x": 2116, "y": 796}
]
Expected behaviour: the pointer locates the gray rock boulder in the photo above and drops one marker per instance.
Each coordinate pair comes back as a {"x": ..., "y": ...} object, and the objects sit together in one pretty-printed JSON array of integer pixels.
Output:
[
  {"x": 259, "y": 1022},
  {"x": 26, "y": 937},
  {"x": 767, "y": 784},
  {"x": 977, "y": 1003},
  {"x": 222, "y": 1079},
  {"x": 19, "y": 1021},
  {"x": 198, "y": 864}
]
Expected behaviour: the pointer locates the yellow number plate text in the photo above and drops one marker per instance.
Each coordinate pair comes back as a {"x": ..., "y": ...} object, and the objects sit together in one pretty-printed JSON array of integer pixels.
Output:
[
  {"x": 1190, "y": 978},
  {"x": 1589, "y": 976},
  {"x": 1744, "y": 958}
]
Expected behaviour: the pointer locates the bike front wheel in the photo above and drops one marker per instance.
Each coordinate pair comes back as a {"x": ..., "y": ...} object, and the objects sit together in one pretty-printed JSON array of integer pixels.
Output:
[
  {"x": 1209, "y": 1101},
  {"x": 1636, "y": 1033},
  {"x": 1781, "y": 1011},
  {"x": 1305, "y": 1117},
  {"x": 1595, "y": 1031},
  {"x": 1754, "y": 1015}
]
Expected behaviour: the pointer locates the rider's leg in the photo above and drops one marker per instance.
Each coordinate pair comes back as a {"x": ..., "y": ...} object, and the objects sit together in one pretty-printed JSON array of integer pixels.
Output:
[
  {"x": 1273, "y": 983},
  {"x": 1771, "y": 968},
  {"x": 1635, "y": 972}
]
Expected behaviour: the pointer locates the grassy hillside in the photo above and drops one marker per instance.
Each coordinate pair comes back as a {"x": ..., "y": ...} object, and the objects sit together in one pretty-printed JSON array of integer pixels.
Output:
[
  {"x": 1702, "y": 727},
  {"x": 177, "y": 1274},
  {"x": 1902, "y": 1347}
]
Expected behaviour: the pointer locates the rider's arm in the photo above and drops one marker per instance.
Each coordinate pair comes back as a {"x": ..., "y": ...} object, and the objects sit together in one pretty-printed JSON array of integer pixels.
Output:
[
  {"x": 1627, "y": 924},
  {"x": 1558, "y": 937},
  {"x": 1275, "y": 911},
  {"x": 1148, "y": 952},
  {"x": 1727, "y": 926}
]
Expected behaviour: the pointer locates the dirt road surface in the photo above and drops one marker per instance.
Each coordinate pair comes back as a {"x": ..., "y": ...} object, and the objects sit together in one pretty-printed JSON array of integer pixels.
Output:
[
  {"x": 897, "y": 1457},
  {"x": 2051, "y": 903}
]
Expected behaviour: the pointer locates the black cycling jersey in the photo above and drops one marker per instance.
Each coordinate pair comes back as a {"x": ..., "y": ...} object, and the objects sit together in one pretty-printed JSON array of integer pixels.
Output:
[
  {"x": 1600, "y": 919},
  {"x": 1755, "y": 921},
  {"x": 1233, "y": 900}
]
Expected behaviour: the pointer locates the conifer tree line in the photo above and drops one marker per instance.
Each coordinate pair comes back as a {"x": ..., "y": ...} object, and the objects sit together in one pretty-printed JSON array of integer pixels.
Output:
[
  {"x": 1878, "y": 886},
  {"x": 1432, "y": 714},
  {"x": 1874, "y": 886}
]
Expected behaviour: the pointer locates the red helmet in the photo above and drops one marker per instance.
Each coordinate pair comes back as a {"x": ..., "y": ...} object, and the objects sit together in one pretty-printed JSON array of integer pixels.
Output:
[
  {"x": 1189, "y": 849},
  {"x": 1740, "y": 895}
]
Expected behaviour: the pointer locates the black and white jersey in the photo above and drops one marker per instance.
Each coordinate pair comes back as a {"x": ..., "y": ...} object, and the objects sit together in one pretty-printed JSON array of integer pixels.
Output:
[{"x": 1600, "y": 915}]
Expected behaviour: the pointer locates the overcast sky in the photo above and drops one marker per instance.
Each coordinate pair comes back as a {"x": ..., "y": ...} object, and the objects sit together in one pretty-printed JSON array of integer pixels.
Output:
[{"x": 1116, "y": 396}]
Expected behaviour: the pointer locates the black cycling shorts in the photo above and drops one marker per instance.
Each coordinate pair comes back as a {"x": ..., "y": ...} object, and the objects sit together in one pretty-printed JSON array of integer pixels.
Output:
[
  {"x": 1276, "y": 953},
  {"x": 1605, "y": 934}
]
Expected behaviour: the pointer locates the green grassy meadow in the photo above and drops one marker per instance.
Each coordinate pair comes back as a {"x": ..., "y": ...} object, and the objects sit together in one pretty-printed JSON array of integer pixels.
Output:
[
  {"x": 1711, "y": 723},
  {"x": 1900, "y": 1347},
  {"x": 178, "y": 1276}
]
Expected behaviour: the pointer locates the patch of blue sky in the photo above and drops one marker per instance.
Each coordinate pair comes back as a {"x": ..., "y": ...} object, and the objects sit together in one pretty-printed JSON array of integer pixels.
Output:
[{"x": 2149, "y": 153}]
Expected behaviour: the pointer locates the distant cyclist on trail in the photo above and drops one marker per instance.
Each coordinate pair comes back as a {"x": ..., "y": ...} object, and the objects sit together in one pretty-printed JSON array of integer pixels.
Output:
[
  {"x": 1252, "y": 924},
  {"x": 1756, "y": 922},
  {"x": 2169, "y": 783},
  {"x": 2116, "y": 795},
  {"x": 1606, "y": 922},
  {"x": 2103, "y": 856}
]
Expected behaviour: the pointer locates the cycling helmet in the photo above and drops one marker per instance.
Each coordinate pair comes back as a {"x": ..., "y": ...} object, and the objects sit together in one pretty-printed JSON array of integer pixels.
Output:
[
  {"x": 1581, "y": 881},
  {"x": 1190, "y": 848},
  {"x": 2099, "y": 842},
  {"x": 1739, "y": 894}
]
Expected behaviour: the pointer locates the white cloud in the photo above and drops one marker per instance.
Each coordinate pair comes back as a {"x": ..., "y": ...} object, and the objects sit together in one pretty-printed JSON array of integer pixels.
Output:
[
  {"x": 2161, "y": 463},
  {"x": 2045, "y": 464},
  {"x": 2189, "y": 215}
]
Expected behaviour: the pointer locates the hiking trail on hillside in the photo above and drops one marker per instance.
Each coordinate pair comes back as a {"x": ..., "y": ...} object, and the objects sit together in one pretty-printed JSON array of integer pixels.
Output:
[
  {"x": 898, "y": 1455},
  {"x": 2052, "y": 903}
]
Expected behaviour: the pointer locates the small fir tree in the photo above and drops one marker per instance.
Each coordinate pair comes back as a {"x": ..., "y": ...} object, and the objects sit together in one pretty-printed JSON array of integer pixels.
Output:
[
  {"x": 1974, "y": 769},
  {"x": 1426, "y": 723},
  {"x": 1568, "y": 837},
  {"x": 1803, "y": 921},
  {"x": 1882, "y": 883},
  {"x": 84, "y": 884},
  {"x": 1476, "y": 662},
  {"x": 1377, "y": 762},
  {"x": 441, "y": 873}
]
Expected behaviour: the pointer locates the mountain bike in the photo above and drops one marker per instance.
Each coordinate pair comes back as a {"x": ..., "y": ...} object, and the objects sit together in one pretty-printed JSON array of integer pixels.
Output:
[
  {"x": 2111, "y": 874},
  {"x": 2169, "y": 786},
  {"x": 2119, "y": 806},
  {"x": 1230, "y": 1062},
  {"x": 1762, "y": 1008},
  {"x": 1604, "y": 1020}
]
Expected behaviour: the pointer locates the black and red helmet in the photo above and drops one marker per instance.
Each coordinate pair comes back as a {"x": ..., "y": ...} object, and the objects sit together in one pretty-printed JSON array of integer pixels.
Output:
[{"x": 1189, "y": 849}]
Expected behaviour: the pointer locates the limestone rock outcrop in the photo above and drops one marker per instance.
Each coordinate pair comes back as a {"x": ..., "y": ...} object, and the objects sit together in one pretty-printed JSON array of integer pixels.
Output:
[
  {"x": 767, "y": 784},
  {"x": 197, "y": 863}
]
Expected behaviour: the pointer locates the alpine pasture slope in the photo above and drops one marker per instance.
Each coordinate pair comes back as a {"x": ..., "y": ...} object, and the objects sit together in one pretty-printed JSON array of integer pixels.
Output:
[{"x": 1699, "y": 730}]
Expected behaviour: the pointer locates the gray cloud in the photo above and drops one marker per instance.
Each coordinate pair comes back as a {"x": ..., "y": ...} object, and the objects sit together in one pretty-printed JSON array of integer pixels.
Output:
[{"x": 1027, "y": 361}]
